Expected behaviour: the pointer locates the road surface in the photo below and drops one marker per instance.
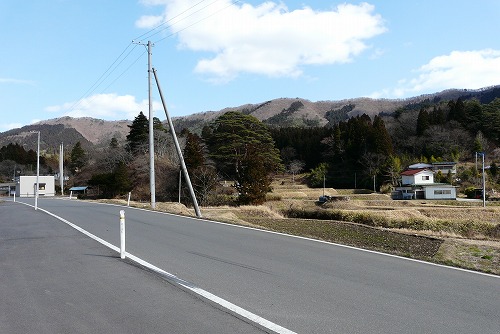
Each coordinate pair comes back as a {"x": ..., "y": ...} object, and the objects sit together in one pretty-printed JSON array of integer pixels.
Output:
[
  {"x": 303, "y": 285},
  {"x": 54, "y": 279}
]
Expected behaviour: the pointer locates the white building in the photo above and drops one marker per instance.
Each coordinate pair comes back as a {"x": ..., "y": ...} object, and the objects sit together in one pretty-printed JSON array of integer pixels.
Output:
[
  {"x": 25, "y": 186},
  {"x": 419, "y": 184},
  {"x": 417, "y": 176}
]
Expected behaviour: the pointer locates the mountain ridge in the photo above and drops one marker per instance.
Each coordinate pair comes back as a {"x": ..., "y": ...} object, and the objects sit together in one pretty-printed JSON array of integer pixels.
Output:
[{"x": 278, "y": 112}]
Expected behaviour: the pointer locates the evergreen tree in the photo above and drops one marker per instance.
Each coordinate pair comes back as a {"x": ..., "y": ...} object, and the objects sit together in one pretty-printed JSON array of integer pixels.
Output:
[
  {"x": 243, "y": 149},
  {"x": 423, "y": 122},
  {"x": 121, "y": 181},
  {"x": 193, "y": 151},
  {"x": 382, "y": 139},
  {"x": 137, "y": 139},
  {"x": 77, "y": 157}
]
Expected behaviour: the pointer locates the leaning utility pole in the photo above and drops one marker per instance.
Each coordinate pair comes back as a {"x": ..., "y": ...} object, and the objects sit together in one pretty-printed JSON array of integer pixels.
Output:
[
  {"x": 152, "y": 186},
  {"x": 179, "y": 151}
]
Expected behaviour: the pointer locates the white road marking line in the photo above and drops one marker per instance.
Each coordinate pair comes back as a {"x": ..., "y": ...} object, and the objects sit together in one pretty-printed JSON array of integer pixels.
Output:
[
  {"x": 226, "y": 305},
  {"x": 315, "y": 240}
]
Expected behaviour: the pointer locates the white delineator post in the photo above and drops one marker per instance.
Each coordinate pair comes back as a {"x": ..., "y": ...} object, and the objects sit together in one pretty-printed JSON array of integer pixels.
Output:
[
  {"x": 128, "y": 201},
  {"x": 122, "y": 234}
]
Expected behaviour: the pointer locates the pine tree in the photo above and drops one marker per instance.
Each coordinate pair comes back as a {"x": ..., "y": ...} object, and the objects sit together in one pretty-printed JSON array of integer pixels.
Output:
[
  {"x": 243, "y": 149},
  {"x": 137, "y": 139}
]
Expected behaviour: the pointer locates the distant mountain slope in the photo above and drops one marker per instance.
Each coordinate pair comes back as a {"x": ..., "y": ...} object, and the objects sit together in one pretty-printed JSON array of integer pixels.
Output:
[
  {"x": 278, "y": 112},
  {"x": 302, "y": 112},
  {"x": 88, "y": 131},
  {"x": 94, "y": 130}
]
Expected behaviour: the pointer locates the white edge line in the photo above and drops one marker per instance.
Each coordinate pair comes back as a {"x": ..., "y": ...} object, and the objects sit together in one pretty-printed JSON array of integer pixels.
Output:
[
  {"x": 310, "y": 239},
  {"x": 232, "y": 308}
]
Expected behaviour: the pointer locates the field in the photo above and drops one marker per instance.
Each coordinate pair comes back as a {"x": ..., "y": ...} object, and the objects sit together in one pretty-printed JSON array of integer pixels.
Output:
[{"x": 455, "y": 233}]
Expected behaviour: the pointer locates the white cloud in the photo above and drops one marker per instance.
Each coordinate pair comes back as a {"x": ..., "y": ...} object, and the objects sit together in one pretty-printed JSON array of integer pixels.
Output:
[
  {"x": 104, "y": 106},
  {"x": 269, "y": 39},
  {"x": 459, "y": 69},
  {"x": 148, "y": 21},
  {"x": 9, "y": 126},
  {"x": 16, "y": 81}
]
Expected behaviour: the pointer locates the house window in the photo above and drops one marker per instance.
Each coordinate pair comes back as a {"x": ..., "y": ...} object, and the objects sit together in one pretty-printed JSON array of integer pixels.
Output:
[
  {"x": 426, "y": 178},
  {"x": 41, "y": 186},
  {"x": 442, "y": 192}
]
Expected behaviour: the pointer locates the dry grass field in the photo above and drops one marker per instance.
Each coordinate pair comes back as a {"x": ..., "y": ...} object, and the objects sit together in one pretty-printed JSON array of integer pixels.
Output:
[{"x": 456, "y": 233}]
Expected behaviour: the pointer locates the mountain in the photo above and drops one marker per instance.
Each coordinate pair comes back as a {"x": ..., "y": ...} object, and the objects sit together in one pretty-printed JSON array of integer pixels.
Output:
[
  {"x": 304, "y": 113},
  {"x": 278, "y": 113},
  {"x": 88, "y": 131}
]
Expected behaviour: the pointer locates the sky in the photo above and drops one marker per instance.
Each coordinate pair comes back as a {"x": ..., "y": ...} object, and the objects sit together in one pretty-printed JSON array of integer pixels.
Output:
[{"x": 88, "y": 58}]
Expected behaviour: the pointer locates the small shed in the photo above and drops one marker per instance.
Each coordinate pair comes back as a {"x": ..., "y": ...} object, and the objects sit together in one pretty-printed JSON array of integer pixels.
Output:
[{"x": 78, "y": 190}]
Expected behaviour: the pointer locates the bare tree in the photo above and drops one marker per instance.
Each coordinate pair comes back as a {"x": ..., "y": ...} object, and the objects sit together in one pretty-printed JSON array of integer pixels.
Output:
[{"x": 295, "y": 167}]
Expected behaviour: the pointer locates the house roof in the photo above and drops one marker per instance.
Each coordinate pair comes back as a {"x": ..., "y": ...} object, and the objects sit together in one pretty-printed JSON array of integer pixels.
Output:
[
  {"x": 78, "y": 188},
  {"x": 446, "y": 163},
  {"x": 420, "y": 165},
  {"x": 410, "y": 172}
]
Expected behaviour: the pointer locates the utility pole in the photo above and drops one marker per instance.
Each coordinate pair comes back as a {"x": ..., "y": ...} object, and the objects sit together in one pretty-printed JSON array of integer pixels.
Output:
[
  {"x": 179, "y": 151},
  {"x": 152, "y": 186},
  {"x": 37, "y": 171},
  {"x": 484, "y": 183},
  {"x": 61, "y": 168}
]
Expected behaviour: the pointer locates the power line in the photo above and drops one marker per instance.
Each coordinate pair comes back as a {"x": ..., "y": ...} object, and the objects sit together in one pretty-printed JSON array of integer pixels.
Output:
[
  {"x": 96, "y": 84},
  {"x": 105, "y": 75},
  {"x": 124, "y": 54},
  {"x": 163, "y": 23}
]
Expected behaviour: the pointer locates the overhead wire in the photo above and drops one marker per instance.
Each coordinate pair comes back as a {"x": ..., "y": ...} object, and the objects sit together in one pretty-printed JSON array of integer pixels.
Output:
[
  {"x": 98, "y": 82},
  {"x": 165, "y": 22},
  {"x": 147, "y": 35},
  {"x": 201, "y": 20}
]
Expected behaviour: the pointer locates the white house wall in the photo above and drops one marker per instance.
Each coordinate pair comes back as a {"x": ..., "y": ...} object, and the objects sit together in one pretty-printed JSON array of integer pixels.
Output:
[
  {"x": 440, "y": 192},
  {"x": 418, "y": 178},
  {"x": 26, "y": 186}
]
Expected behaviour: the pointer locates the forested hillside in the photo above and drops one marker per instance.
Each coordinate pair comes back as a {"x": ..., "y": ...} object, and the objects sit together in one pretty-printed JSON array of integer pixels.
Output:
[
  {"x": 232, "y": 154},
  {"x": 361, "y": 148}
]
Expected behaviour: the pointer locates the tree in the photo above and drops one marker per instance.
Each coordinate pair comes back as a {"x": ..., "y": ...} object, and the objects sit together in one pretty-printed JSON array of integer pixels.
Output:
[
  {"x": 372, "y": 163},
  {"x": 121, "y": 179},
  {"x": 318, "y": 175},
  {"x": 382, "y": 140},
  {"x": 253, "y": 181},
  {"x": 480, "y": 143},
  {"x": 193, "y": 151},
  {"x": 78, "y": 157},
  {"x": 205, "y": 180},
  {"x": 243, "y": 149},
  {"x": 423, "y": 122},
  {"x": 113, "y": 143},
  {"x": 393, "y": 169},
  {"x": 296, "y": 166},
  {"x": 137, "y": 139}
]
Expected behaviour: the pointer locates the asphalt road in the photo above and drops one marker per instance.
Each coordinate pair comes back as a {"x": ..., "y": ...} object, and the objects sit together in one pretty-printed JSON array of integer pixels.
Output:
[
  {"x": 303, "y": 285},
  {"x": 54, "y": 279}
]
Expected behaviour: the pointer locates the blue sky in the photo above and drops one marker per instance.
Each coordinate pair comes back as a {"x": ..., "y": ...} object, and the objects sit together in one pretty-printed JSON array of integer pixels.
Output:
[{"x": 76, "y": 57}]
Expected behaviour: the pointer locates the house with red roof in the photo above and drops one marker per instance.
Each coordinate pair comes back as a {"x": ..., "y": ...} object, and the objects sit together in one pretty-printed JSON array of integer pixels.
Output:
[{"x": 418, "y": 183}]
